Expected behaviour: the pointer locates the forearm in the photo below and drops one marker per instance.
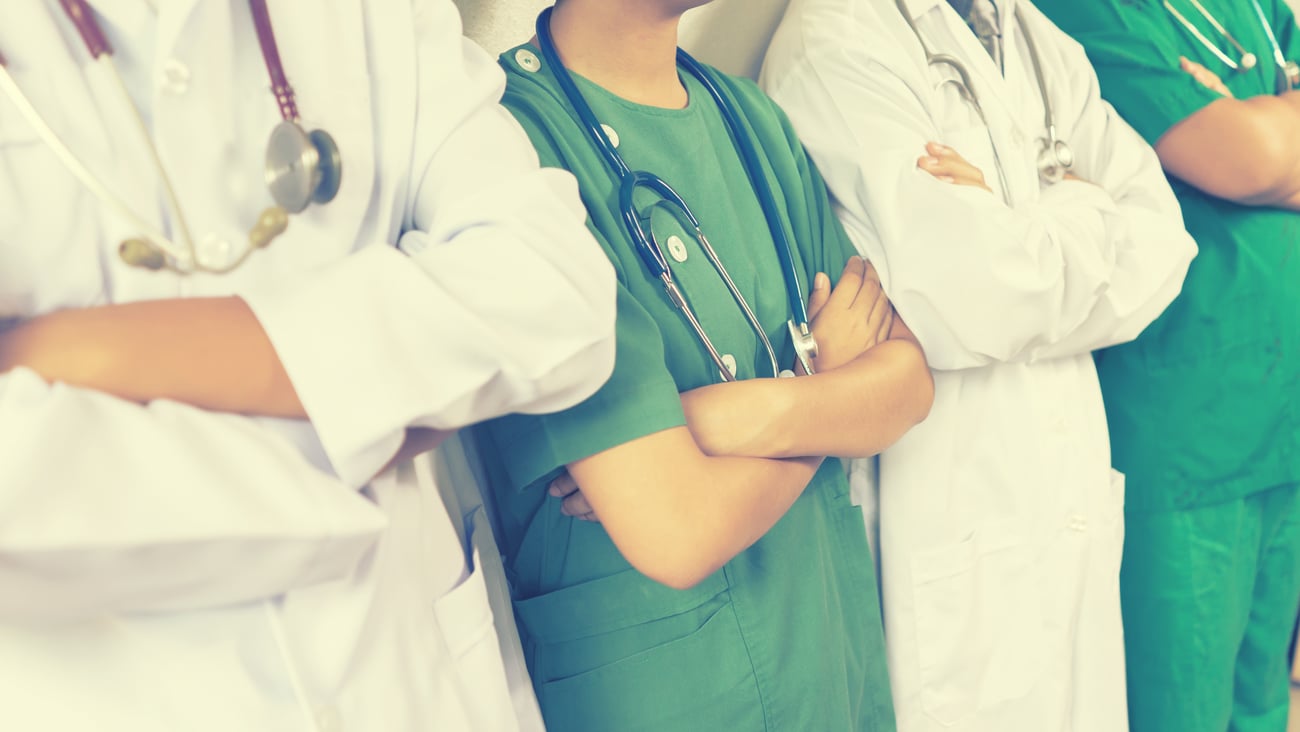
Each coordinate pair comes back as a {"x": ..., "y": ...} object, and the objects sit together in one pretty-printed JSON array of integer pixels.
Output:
[
  {"x": 1245, "y": 150},
  {"x": 856, "y": 410},
  {"x": 210, "y": 353},
  {"x": 684, "y": 520}
]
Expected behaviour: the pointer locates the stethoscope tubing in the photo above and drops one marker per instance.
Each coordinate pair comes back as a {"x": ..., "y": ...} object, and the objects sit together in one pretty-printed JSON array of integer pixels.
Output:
[
  {"x": 629, "y": 181},
  {"x": 964, "y": 83}
]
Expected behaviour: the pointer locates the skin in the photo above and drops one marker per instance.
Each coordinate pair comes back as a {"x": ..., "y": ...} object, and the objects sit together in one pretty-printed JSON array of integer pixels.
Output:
[
  {"x": 681, "y": 503},
  {"x": 1243, "y": 150},
  {"x": 151, "y": 350}
]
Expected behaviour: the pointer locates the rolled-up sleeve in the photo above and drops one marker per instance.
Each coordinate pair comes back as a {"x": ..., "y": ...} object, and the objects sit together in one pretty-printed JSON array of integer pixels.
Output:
[{"x": 497, "y": 300}]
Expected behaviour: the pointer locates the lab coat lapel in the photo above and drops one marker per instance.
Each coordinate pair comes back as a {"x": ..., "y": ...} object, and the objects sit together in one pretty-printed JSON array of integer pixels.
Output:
[{"x": 173, "y": 17}]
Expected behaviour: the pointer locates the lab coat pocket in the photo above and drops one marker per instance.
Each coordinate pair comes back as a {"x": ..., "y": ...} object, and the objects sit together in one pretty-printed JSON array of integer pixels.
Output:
[
  {"x": 979, "y": 622},
  {"x": 625, "y": 653},
  {"x": 465, "y": 620}
]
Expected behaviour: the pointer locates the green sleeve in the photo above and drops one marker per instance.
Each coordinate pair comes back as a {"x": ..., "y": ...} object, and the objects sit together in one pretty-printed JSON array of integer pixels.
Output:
[
  {"x": 1135, "y": 50},
  {"x": 641, "y": 396},
  {"x": 829, "y": 244},
  {"x": 639, "y": 399},
  {"x": 833, "y": 244}
]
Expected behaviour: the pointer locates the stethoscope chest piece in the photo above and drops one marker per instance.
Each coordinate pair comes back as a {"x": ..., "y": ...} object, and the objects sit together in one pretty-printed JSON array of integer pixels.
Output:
[
  {"x": 302, "y": 167},
  {"x": 1290, "y": 76},
  {"x": 1055, "y": 159}
]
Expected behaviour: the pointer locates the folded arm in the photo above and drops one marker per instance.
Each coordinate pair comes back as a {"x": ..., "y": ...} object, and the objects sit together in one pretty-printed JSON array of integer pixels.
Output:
[
  {"x": 1244, "y": 150},
  {"x": 498, "y": 300},
  {"x": 677, "y": 514},
  {"x": 1082, "y": 267}
]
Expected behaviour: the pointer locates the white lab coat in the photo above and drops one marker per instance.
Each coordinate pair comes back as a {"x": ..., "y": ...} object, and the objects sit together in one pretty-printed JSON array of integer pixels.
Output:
[
  {"x": 165, "y": 568},
  {"x": 1001, "y": 520}
]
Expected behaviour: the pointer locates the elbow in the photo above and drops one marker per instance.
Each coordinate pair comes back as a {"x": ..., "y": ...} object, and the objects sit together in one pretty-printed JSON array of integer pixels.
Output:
[
  {"x": 918, "y": 385},
  {"x": 674, "y": 569}
]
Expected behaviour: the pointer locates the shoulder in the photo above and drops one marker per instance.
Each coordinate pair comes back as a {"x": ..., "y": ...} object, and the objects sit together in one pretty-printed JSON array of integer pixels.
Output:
[{"x": 768, "y": 123}]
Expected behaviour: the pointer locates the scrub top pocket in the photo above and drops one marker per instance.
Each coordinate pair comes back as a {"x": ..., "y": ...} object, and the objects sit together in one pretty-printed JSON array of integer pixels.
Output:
[{"x": 625, "y": 653}]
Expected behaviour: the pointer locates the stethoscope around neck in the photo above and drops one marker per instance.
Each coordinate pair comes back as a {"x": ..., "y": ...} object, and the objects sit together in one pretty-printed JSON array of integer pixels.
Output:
[
  {"x": 637, "y": 223},
  {"x": 1055, "y": 156},
  {"x": 301, "y": 167}
]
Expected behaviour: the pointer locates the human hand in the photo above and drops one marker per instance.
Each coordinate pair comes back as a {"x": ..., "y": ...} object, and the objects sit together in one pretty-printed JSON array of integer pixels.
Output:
[
  {"x": 852, "y": 317},
  {"x": 573, "y": 502},
  {"x": 947, "y": 166},
  {"x": 1204, "y": 76}
]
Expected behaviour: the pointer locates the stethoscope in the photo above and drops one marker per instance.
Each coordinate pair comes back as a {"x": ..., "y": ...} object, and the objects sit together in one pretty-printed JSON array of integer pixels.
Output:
[
  {"x": 1055, "y": 157},
  {"x": 1288, "y": 72},
  {"x": 648, "y": 249},
  {"x": 301, "y": 167}
]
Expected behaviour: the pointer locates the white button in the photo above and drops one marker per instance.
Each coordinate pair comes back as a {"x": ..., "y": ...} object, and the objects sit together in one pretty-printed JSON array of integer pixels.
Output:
[
  {"x": 612, "y": 134},
  {"x": 214, "y": 251},
  {"x": 729, "y": 361},
  {"x": 1078, "y": 523},
  {"x": 677, "y": 248},
  {"x": 528, "y": 60},
  {"x": 175, "y": 77},
  {"x": 328, "y": 719}
]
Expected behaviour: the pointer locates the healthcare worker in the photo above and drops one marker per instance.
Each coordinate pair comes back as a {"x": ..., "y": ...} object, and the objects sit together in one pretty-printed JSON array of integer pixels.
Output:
[
  {"x": 1017, "y": 224},
  {"x": 1204, "y": 408},
  {"x": 728, "y": 584},
  {"x": 166, "y": 564}
]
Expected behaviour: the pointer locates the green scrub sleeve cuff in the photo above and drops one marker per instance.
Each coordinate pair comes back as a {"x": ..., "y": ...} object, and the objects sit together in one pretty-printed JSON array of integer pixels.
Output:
[{"x": 640, "y": 399}]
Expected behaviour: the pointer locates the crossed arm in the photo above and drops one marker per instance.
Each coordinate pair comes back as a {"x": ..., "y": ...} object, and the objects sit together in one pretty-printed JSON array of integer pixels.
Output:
[
  {"x": 1244, "y": 150},
  {"x": 681, "y": 503}
]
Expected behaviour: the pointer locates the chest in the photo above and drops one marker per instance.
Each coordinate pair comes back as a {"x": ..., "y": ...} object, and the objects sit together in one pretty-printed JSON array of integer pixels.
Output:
[
  {"x": 995, "y": 117},
  {"x": 728, "y": 270},
  {"x": 191, "y": 88},
  {"x": 1235, "y": 40}
]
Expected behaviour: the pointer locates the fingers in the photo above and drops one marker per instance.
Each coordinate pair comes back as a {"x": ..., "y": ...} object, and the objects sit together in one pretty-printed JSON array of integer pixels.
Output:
[
  {"x": 880, "y": 308},
  {"x": 576, "y": 506},
  {"x": 886, "y": 324},
  {"x": 851, "y": 279},
  {"x": 946, "y": 165},
  {"x": 574, "y": 503},
  {"x": 821, "y": 292},
  {"x": 563, "y": 486},
  {"x": 1204, "y": 76}
]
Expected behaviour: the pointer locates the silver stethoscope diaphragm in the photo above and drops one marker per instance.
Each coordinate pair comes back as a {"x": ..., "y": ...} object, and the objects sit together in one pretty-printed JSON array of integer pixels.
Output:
[{"x": 302, "y": 167}]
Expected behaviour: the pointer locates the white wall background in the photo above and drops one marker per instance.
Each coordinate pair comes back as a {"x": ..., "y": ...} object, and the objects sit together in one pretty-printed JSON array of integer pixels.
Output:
[{"x": 730, "y": 34}]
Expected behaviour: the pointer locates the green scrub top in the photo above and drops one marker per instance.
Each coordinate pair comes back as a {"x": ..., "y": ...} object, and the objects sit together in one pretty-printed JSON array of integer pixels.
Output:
[
  {"x": 786, "y": 636},
  {"x": 1203, "y": 407}
]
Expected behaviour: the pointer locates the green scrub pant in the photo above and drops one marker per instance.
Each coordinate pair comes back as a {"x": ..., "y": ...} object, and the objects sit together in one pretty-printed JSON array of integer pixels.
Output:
[{"x": 1210, "y": 597}]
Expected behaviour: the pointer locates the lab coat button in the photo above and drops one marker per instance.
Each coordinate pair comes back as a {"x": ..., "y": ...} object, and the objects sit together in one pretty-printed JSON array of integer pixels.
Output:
[
  {"x": 214, "y": 251},
  {"x": 677, "y": 248},
  {"x": 328, "y": 719},
  {"x": 1078, "y": 523},
  {"x": 612, "y": 134},
  {"x": 175, "y": 77},
  {"x": 528, "y": 60},
  {"x": 729, "y": 361}
]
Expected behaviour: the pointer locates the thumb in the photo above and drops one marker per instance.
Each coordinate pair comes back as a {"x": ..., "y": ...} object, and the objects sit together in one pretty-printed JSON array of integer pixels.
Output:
[{"x": 820, "y": 294}]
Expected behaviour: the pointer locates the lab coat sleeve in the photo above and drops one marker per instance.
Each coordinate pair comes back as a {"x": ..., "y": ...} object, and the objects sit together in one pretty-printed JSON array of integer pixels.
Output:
[
  {"x": 1083, "y": 267},
  {"x": 109, "y": 506},
  {"x": 498, "y": 299}
]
